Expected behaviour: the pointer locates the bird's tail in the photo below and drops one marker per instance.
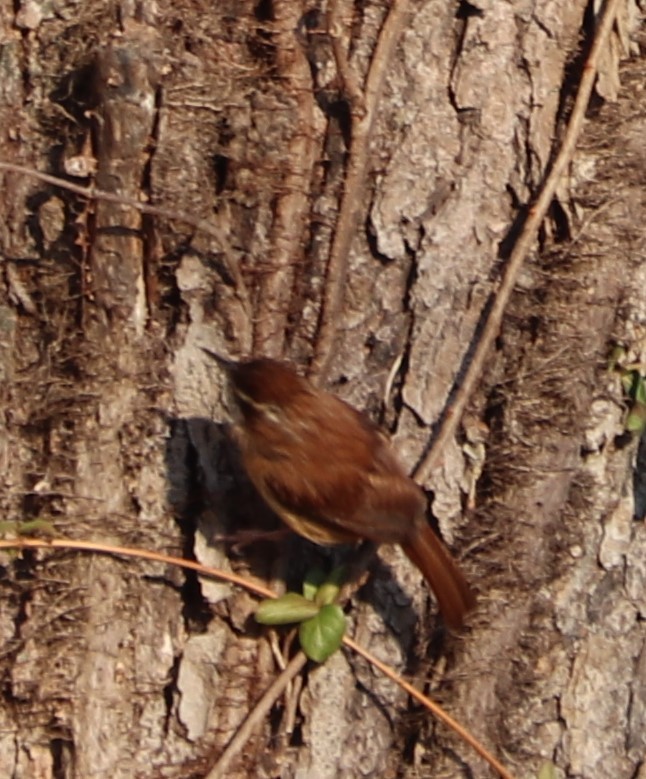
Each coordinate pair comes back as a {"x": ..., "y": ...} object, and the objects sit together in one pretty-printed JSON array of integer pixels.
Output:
[{"x": 440, "y": 570}]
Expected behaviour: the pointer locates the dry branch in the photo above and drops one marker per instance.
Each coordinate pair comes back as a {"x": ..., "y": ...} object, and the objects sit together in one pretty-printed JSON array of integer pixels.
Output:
[{"x": 535, "y": 215}]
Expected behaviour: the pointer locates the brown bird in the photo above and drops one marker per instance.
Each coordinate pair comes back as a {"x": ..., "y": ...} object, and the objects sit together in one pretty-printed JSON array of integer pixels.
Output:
[{"x": 332, "y": 477}]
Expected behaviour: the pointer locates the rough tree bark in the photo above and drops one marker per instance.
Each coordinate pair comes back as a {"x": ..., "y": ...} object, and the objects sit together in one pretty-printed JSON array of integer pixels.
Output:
[{"x": 256, "y": 117}]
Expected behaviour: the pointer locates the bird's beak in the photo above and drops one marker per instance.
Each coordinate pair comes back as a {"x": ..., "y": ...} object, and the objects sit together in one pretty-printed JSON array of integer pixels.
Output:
[{"x": 223, "y": 362}]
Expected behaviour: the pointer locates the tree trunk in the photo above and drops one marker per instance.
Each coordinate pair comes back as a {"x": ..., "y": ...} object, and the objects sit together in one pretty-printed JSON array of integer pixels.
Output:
[{"x": 360, "y": 170}]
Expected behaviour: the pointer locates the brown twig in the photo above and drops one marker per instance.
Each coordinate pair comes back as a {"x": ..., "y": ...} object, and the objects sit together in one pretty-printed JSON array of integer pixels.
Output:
[
  {"x": 143, "y": 554},
  {"x": 535, "y": 214},
  {"x": 432, "y": 707},
  {"x": 363, "y": 109},
  {"x": 203, "y": 225},
  {"x": 256, "y": 715},
  {"x": 345, "y": 73},
  {"x": 295, "y": 664}
]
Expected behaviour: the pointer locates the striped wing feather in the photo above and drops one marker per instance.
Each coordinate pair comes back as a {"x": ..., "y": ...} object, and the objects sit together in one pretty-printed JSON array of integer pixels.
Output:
[{"x": 337, "y": 479}]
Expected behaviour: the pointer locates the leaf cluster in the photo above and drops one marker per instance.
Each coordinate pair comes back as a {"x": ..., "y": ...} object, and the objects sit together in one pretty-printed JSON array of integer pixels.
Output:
[{"x": 321, "y": 621}]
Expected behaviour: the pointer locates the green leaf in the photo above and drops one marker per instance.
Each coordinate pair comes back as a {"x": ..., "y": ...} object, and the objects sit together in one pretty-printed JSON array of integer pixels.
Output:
[
  {"x": 314, "y": 578},
  {"x": 289, "y": 608},
  {"x": 327, "y": 593},
  {"x": 640, "y": 389},
  {"x": 35, "y": 527},
  {"x": 323, "y": 589},
  {"x": 321, "y": 636},
  {"x": 338, "y": 575},
  {"x": 636, "y": 419},
  {"x": 28, "y": 527},
  {"x": 616, "y": 357},
  {"x": 547, "y": 771},
  {"x": 628, "y": 382}
]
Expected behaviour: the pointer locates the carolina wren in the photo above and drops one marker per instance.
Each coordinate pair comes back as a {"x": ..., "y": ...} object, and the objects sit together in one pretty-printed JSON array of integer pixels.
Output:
[{"x": 332, "y": 477}]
